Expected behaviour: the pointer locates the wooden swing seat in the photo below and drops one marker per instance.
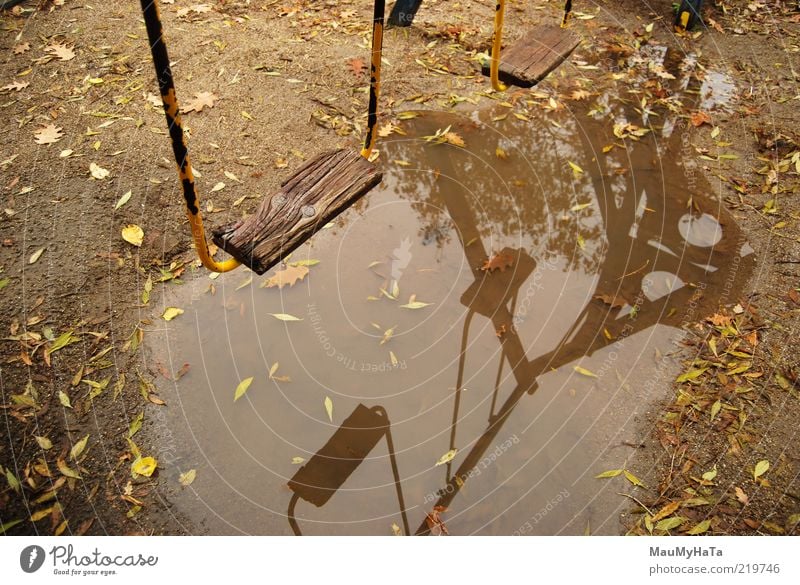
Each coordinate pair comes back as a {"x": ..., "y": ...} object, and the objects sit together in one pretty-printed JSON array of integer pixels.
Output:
[
  {"x": 319, "y": 191},
  {"x": 530, "y": 59}
]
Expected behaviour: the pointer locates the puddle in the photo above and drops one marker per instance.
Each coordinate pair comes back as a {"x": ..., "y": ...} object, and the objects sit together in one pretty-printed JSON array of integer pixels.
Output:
[{"x": 539, "y": 375}]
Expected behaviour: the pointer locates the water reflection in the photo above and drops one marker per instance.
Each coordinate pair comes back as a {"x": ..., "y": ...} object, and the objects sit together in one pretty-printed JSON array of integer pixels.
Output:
[{"x": 602, "y": 248}]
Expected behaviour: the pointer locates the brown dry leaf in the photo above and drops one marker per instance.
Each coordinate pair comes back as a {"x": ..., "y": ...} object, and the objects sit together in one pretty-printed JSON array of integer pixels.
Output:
[
  {"x": 579, "y": 94},
  {"x": 21, "y": 48},
  {"x": 501, "y": 261},
  {"x": 63, "y": 52},
  {"x": 15, "y": 86},
  {"x": 289, "y": 275},
  {"x": 454, "y": 139},
  {"x": 700, "y": 118},
  {"x": 48, "y": 134},
  {"x": 616, "y": 301},
  {"x": 435, "y": 523},
  {"x": 200, "y": 101},
  {"x": 741, "y": 496},
  {"x": 357, "y": 66}
]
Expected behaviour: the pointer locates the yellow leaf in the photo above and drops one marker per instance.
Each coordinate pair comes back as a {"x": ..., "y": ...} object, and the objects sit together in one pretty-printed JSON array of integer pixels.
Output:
[
  {"x": 63, "y": 398},
  {"x": 78, "y": 448},
  {"x": 187, "y": 478},
  {"x": 761, "y": 468},
  {"x": 98, "y": 172},
  {"x": 242, "y": 388},
  {"x": 710, "y": 475},
  {"x": 585, "y": 372},
  {"x": 35, "y": 256},
  {"x": 576, "y": 170},
  {"x": 700, "y": 528},
  {"x": 170, "y": 313},
  {"x": 632, "y": 478},
  {"x": 144, "y": 466},
  {"x": 666, "y": 511},
  {"x": 285, "y": 317},
  {"x": 329, "y": 407},
  {"x": 447, "y": 457},
  {"x": 609, "y": 473},
  {"x": 297, "y": 460},
  {"x": 133, "y": 234}
]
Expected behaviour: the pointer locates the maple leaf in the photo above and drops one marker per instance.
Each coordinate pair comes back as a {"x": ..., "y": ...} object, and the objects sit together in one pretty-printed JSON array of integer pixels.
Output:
[
  {"x": 154, "y": 100},
  {"x": 357, "y": 66},
  {"x": 15, "y": 86},
  {"x": 21, "y": 48},
  {"x": 200, "y": 101},
  {"x": 616, "y": 301},
  {"x": 63, "y": 52},
  {"x": 48, "y": 134},
  {"x": 579, "y": 94},
  {"x": 289, "y": 275},
  {"x": 700, "y": 118},
  {"x": 501, "y": 261}
]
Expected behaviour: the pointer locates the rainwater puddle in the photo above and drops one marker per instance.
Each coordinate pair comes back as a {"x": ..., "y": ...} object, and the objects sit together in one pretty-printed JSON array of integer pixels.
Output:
[{"x": 503, "y": 397}]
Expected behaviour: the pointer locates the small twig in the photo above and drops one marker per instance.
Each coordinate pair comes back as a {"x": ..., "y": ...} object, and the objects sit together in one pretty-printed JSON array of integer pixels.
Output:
[{"x": 637, "y": 501}]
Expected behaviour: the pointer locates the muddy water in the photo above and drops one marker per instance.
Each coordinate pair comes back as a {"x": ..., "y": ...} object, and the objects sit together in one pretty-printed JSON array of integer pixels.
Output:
[{"x": 531, "y": 378}]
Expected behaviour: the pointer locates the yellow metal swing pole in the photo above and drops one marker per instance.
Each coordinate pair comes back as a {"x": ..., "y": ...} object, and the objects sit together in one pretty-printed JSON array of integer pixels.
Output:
[
  {"x": 497, "y": 39},
  {"x": 567, "y": 10},
  {"x": 166, "y": 85},
  {"x": 374, "y": 77}
]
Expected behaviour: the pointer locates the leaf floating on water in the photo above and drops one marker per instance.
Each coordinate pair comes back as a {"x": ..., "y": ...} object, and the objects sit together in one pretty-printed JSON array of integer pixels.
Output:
[
  {"x": 580, "y": 206},
  {"x": 396, "y": 530},
  {"x": 285, "y": 317},
  {"x": 585, "y": 372},
  {"x": 576, "y": 170},
  {"x": 498, "y": 261},
  {"x": 171, "y": 312},
  {"x": 242, "y": 388},
  {"x": 609, "y": 473},
  {"x": 329, "y": 407},
  {"x": 761, "y": 468},
  {"x": 413, "y": 303},
  {"x": 297, "y": 460},
  {"x": 187, "y": 478},
  {"x": 133, "y": 234},
  {"x": 144, "y": 466},
  {"x": 435, "y": 523},
  {"x": 288, "y": 276},
  {"x": 447, "y": 457}
]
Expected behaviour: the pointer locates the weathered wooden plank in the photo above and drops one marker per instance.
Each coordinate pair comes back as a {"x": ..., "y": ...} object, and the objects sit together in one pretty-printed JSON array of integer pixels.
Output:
[
  {"x": 319, "y": 191},
  {"x": 535, "y": 55}
]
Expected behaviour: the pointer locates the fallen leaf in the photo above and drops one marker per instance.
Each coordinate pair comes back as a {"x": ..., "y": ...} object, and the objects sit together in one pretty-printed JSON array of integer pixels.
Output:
[
  {"x": 78, "y": 448},
  {"x": 187, "y": 478},
  {"x": 609, "y": 473},
  {"x": 413, "y": 303},
  {"x": 632, "y": 478},
  {"x": 15, "y": 86},
  {"x": 63, "y": 398},
  {"x": 297, "y": 460},
  {"x": 741, "y": 496},
  {"x": 329, "y": 407},
  {"x": 21, "y": 48},
  {"x": 435, "y": 523},
  {"x": 35, "y": 256},
  {"x": 66, "y": 470},
  {"x": 122, "y": 200},
  {"x": 454, "y": 139},
  {"x": 144, "y": 466},
  {"x": 585, "y": 372},
  {"x": 615, "y": 301},
  {"x": 170, "y": 313},
  {"x": 133, "y": 234},
  {"x": 498, "y": 261},
  {"x": 670, "y": 523},
  {"x": 285, "y": 317},
  {"x": 700, "y": 118},
  {"x": 48, "y": 134},
  {"x": 98, "y": 172},
  {"x": 63, "y": 52},
  {"x": 290, "y": 275},
  {"x": 200, "y": 101},
  {"x": 357, "y": 66},
  {"x": 44, "y": 442},
  {"x": 242, "y": 388},
  {"x": 761, "y": 468},
  {"x": 447, "y": 457},
  {"x": 700, "y": 528}
]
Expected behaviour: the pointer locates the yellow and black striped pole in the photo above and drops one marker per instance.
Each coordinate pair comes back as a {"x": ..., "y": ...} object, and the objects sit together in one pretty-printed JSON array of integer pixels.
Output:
[
  {"x": 374, "y": 76},
  {"x": 567, "y": 10},
  {"x": 497, "y": 40},
  {"x": 166, "y": 85}
]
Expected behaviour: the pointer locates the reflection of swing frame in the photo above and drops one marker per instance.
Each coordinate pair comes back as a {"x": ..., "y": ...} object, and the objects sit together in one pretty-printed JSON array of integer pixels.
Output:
[
  {"x": 330, "y": 467},
  {"x": 495, "y": 296}
]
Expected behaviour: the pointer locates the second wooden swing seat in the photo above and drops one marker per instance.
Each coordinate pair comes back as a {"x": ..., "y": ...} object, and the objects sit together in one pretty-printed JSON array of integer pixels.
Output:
[{"x": 534, "y": 56}]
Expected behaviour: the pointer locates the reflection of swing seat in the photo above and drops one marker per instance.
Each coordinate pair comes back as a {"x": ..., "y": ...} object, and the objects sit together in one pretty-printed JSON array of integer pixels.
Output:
[
  {"x": 535, "y": 55},
  {"x": 490, "y": 294},
  {"x": 319, "y": 191}
]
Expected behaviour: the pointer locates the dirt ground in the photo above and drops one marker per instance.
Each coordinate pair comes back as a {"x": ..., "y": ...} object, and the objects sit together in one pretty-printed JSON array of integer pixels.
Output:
[{"x": 287, "y": 78}]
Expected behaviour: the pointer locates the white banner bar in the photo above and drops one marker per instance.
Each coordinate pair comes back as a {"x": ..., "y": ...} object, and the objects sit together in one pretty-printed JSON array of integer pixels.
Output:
[{"x": 389, "y": 560}]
